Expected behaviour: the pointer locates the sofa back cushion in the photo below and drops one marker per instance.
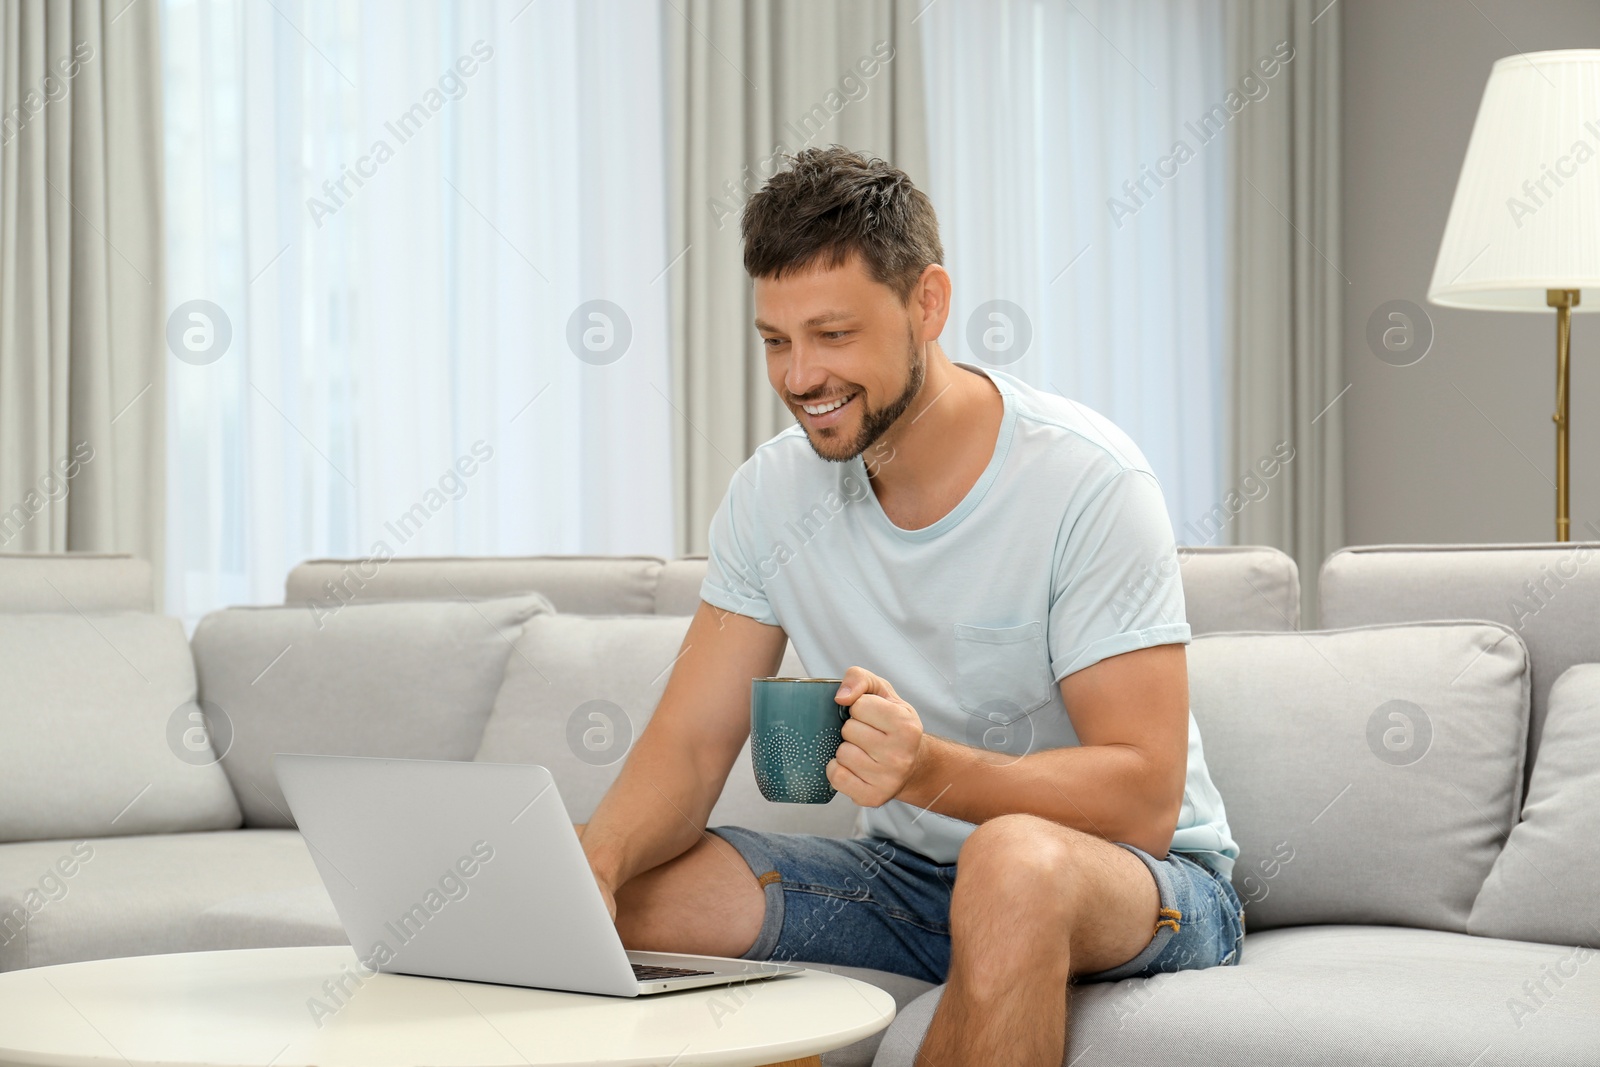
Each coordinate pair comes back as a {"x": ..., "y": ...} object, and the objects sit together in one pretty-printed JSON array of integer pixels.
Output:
[
  {"x": 74, "y": 581},
  {"x": 1239, "y": 587},
  {"x": 1549, "y": 593},
  {"x": 407, "y": 679},
  {"x": 1542, "y": 885},
  {"x": 678, "y": 590},
  {"x": 580, "y": 691},
  {"x": 588, "y": 585},
  {"x": 102, "y": 734},
  {"x": 1369, "y": 775},
  {"x": 1224, "y": 587}
]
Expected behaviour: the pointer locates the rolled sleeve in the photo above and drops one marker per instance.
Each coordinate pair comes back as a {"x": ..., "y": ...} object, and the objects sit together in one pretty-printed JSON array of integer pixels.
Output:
[{"x": 1116, "y": 585}]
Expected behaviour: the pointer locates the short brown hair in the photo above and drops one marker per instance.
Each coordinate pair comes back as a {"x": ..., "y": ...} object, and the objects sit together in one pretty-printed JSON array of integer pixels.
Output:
[{"x": 831, "y": 202}]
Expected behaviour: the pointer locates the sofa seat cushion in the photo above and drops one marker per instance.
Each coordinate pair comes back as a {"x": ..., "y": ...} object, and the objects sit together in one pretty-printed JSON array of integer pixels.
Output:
[
  {"x": 129, "y": 896},
  {"x": 1374, "y": 995},
  {"x": 1542, "y": 887},
  {"x": 580, "y": 690},
  {"x": 101, "y": 730},
  {"x": 1370, "y": 775},
  {"x": 295, "y": 915},
  {"x": 405, "y": 679}
]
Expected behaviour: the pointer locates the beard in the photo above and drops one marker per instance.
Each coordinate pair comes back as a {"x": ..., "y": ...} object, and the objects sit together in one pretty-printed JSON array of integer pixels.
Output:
[{"x": 875, "y": 423}]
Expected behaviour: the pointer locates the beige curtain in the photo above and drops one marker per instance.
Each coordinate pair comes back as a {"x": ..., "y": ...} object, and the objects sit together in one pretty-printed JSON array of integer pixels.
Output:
[
  {"x": 1285, "y": 375},
  {"x": 81, "y": 327},
  {"x": 748, "y": 82}
]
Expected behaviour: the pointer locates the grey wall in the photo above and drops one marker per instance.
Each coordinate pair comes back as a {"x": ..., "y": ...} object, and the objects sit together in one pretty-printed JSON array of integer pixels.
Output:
[{"x": 1422, "y": 465}]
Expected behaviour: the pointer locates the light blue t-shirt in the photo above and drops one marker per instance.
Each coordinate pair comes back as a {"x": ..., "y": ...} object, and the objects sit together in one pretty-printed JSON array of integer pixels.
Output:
[{"x": 1059, "y": 556}]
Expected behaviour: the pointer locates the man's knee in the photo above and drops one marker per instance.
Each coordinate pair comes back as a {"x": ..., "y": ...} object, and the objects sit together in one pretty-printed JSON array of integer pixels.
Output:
[
  {"x": 1022, "y": 866},
  {"x": 704, "y": 901}
]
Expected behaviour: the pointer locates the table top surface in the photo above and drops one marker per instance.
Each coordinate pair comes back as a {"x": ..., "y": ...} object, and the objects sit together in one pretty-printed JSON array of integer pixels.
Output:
[{"x": 284, "y": 1007}]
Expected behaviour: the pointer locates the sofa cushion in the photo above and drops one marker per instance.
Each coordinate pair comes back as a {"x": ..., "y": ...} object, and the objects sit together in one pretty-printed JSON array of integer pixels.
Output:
[
  {"x": 579, "y": 693},
  {"x": 1373, "y": 995},
  {"x": 268, "y": 918},
  {"x": 69, "y": 900},
  {"x": 1243, "y": 587},
  {"x": 74, "y": 581},
  {"x": 1542, "y": 887},
  {"x": 1370, "y": 775},
  {"x": 678, "y": 590},
  {"x": 902, "y": 988},
  {"x": 1548, "y": 592},
  {"x": 1225, "y": 587},
  {"x": 409, "y": 679},
  {"x": 590, "y": 585},
  {"x": 95, "y": 712}
]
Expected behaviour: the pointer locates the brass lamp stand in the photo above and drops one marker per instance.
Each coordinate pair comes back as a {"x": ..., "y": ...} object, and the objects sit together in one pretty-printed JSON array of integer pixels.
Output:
[{"x": 1563, "y": 300}]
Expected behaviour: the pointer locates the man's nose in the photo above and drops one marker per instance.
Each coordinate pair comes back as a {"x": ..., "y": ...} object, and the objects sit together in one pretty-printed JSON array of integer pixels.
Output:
[{"x": 805, "y": 373}]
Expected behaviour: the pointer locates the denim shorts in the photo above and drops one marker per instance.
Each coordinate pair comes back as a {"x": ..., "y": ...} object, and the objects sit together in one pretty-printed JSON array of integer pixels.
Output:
[{"x": 870, "y": 902}]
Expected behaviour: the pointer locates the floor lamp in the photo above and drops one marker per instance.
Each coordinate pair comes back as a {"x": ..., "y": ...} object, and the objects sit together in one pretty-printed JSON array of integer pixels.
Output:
[{"x": 1524, "y": 228}]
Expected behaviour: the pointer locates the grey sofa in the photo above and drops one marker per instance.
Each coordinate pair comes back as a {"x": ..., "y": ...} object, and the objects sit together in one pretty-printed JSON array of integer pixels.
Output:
[{"x": 1409, "y": 783}]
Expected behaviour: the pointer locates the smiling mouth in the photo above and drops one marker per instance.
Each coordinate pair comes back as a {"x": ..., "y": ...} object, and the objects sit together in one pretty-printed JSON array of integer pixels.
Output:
[{"x": 827, "y": 406}]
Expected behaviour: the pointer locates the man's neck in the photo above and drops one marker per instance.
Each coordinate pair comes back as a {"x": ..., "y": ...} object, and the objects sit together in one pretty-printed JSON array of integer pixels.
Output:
[{"x": 940, "y": 446}]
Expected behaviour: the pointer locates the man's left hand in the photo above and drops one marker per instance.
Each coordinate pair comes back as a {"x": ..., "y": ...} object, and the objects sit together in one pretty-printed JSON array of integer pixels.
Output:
[{"x": 882, "y": 740}]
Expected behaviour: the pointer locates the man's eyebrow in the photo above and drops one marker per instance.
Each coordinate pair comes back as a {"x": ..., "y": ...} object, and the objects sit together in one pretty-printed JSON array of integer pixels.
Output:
[{"x": 814, "y": 321}]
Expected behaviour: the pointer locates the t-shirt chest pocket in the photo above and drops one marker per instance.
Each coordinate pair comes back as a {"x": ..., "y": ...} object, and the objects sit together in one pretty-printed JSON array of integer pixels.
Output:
[{"x": 1002, "y": 672}]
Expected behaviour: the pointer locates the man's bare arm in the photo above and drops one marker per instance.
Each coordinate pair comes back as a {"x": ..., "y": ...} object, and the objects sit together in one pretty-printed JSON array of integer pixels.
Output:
[
  {"x": 658, "y": 806},
  {"x": 1123, "y": 781}
]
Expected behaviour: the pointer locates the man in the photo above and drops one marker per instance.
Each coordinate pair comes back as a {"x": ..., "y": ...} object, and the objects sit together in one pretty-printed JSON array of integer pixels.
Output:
[{"x": 991, "y": 570}]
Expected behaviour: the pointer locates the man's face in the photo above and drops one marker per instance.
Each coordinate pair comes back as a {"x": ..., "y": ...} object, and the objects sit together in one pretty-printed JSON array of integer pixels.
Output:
[{"x": 832, "y": 335}]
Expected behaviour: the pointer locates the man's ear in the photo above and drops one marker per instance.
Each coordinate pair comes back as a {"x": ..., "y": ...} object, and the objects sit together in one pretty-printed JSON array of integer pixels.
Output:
[{"x": 930, "y": 300}]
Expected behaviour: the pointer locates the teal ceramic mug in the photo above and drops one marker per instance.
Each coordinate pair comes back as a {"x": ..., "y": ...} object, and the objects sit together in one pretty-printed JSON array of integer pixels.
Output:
[{"x": 794, "y": 731}]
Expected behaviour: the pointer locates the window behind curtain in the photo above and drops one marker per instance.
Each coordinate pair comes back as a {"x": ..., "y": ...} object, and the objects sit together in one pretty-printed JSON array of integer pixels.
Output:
[
  {"x": 406, "y": 214},
  {"x": 1041, "y": 115}
]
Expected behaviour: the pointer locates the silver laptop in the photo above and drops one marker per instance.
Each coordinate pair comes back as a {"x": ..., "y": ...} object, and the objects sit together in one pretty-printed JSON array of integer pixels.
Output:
[{"x": 472, "y": 871}]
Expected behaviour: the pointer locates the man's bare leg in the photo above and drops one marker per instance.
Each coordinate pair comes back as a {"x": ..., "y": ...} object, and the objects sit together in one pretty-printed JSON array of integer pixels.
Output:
[
  {"x": 1035, "y": 902},
  {"x": 704, "y": 902}
]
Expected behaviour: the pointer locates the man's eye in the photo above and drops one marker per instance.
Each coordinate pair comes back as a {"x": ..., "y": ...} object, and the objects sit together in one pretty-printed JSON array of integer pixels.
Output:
[
  {"x": 834, "y": 335},
  {"x": 772, "y": 342}
]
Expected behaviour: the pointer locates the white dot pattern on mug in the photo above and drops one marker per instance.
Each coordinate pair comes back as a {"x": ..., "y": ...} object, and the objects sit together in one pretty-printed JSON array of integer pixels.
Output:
[{"x": 805, "y": 765}]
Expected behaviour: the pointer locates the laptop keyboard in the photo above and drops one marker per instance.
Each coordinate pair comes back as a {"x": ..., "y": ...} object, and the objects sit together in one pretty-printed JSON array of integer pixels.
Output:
[{"x": 645, "y": 973}]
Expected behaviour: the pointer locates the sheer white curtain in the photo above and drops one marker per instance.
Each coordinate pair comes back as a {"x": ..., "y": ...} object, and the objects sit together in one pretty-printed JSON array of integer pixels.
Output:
[
  {"x": 1039, "y": 112},
  {"x": 406, "y": 214}
]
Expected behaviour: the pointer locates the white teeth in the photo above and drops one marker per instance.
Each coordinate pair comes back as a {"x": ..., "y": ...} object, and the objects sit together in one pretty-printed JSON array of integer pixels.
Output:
[{"x": 823, "y": 409}]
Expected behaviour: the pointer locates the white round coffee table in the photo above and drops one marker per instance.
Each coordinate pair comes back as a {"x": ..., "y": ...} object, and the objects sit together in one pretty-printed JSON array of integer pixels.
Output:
[{"x": 270, "y": 1007}]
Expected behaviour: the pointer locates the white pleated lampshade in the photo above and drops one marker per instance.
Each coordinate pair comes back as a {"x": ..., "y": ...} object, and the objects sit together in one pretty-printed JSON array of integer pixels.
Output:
[{"x": 1526, "y": 215}]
